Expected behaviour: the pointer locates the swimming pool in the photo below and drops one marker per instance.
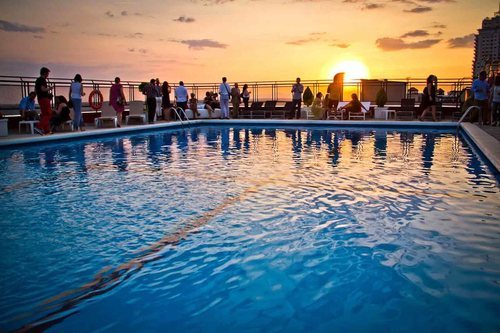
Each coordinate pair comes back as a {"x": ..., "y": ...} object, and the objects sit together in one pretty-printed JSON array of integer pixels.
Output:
[{"x": 231, "y": 229}]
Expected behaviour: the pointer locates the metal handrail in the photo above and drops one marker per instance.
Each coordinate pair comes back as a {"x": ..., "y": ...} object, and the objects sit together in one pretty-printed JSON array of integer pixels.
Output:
[
  {"x": 178, "y": 115},
  {"x": 467, "y": 112}
]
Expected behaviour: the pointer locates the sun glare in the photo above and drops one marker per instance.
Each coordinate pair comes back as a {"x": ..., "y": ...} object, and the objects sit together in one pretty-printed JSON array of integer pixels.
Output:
[{"x": 353, "y": 69}]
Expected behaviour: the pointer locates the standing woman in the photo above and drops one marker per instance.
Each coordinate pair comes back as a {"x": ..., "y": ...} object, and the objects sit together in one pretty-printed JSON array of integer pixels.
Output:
[
  {"x": 429, "y": 98},
  {"x": 75, "y": 94},
  {"x": 117, "y": 99},
  {"x": 246, "y": 95},
  {"x": 235, "y": 100},
  {"x": 165, "y": 99}
]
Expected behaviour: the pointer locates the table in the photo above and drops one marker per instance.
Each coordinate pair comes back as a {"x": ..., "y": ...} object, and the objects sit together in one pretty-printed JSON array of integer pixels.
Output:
[{"x": 383, "y": 113}]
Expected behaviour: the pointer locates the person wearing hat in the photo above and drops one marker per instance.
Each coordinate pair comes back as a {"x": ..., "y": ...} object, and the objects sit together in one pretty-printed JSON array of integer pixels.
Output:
[{"x": 44, "y": 96}]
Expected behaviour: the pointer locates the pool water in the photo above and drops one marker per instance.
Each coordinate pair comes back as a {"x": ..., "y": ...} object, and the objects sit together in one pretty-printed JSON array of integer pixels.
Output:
[{"x": 229, "y": 229}]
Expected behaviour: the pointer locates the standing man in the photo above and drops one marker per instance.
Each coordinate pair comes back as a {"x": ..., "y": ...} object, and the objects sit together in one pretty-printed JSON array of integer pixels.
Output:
[
  {"x": 27, "y": 107},
  {"x": 297, "y": 91},
  {"x": 44, "y": 96},
  {"x": 224, "y": 92},
  {"x": 151, "y": 93},
  {"x": 181, "y": 96},
  {"x": 481, "y": 90}
]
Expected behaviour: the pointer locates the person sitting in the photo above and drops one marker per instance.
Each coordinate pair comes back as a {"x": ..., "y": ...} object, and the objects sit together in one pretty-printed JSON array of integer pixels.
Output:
[
  {"x": 215, "y": 102},
  {"x": 60, "y": 114},
  {"x": 193, "y": 105},
  {"x": 354, "y": 105},
  {"x": 317, "y": 108},
  {"x": 208, "y": 103},
  {"x": 27, "y": 107}
]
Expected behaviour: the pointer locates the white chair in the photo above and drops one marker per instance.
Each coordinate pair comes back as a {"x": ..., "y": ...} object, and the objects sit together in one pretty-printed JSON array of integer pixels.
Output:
[
  {"x": 357, "y": 115},
  {"x": 136, "y": 111},
  {"x": 107, "y": 114},
  {"x": 30, "y": 123}
]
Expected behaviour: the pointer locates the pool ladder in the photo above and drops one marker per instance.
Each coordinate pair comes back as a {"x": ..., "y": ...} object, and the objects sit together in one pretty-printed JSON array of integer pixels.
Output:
[
  {"x": 468, "y": 111},
  {"x": 178, "y": 111}
]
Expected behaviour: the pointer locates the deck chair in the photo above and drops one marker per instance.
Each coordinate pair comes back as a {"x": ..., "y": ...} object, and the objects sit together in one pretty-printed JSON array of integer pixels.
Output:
[
  {"x": 279, "y": 111},
  {"x": 108, "y": 115},
  {"x": 360, "y": 115},
  {"x": 407, "y": 110},
  {"x": 256, "y": 110},
  {"x": 136, "y": 112}
]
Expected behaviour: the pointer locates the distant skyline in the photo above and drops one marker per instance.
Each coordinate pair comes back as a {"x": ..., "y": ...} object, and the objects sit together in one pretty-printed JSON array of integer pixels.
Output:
[{"x": 245, "y": 40}]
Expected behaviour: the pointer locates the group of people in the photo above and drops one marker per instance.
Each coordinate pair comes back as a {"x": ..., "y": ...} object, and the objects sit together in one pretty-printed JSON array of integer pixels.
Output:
[
  {"x": 486, "y": 98},
  {"x": 485, "y": 95},
  {"x": 184, "y": 100},
  {"x": 50, "y": 119}
]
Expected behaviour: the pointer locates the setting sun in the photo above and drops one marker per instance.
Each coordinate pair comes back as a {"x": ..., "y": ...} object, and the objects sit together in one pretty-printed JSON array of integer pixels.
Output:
[{"x": 353, "y": 69}]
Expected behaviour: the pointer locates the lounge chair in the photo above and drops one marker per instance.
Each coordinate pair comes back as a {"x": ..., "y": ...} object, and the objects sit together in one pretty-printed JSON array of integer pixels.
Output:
[
  {"x": 279, "y": 111},
  {"x": 108, "y": 114},
  {"x": 136, "y": 111},
  {"x": 407, "y": 110},
  {"x": 256, "y": 110}
]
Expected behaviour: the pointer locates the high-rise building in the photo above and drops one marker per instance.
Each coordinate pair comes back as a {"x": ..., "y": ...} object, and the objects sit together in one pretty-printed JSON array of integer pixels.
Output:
[{"x": 487, "y": 46}]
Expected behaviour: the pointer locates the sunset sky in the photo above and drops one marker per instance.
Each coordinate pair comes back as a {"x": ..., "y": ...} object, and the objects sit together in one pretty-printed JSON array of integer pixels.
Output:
[{"x": 245, "y": 40}]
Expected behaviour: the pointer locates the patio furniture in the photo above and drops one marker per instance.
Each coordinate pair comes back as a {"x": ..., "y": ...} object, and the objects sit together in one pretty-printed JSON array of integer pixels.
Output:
[
  {"x": 108, "y": 114},
  {"x": 136, "y": 112},
  {"x": 29, "y": 124},
  {"x": 407, "y": 110}
]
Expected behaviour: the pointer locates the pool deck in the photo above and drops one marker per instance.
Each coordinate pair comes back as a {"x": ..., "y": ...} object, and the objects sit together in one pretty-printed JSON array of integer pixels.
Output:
[{"x": 486, "y": 138}]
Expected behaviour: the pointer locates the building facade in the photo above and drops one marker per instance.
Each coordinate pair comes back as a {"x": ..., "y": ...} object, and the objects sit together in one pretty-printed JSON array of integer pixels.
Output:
[{"x": 487, "y": 47}]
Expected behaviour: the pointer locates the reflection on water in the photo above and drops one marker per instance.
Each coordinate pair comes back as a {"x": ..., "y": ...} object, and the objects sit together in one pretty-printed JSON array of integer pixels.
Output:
[{"x": 318, "y": 210}]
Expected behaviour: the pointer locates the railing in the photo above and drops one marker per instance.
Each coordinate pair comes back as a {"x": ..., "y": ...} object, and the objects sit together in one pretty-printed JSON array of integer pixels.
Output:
[{"x": 13, "y": 88}]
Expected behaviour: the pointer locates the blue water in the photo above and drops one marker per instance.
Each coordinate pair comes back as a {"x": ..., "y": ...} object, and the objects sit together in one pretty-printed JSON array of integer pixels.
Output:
[{"x": 227, "y": 229}]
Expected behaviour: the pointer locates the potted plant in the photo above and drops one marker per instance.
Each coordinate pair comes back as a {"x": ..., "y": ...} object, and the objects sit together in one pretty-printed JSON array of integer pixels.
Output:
[{"x": 380, "y": 100}]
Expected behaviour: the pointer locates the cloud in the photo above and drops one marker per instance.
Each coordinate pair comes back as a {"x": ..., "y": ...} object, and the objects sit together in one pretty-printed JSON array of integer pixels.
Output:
[
  {"x": 406, "y": 2},
  {"x": 465, "y": 41},
  {"x": 303, "y": 41},
  {"x": 200, "y": 44},
  {"x": 126, "y": 13},
  {"x": 135, "y": 35},
  {"x": 340, "y": 45},
  {"x": 437, "y": 25},
  {"x": 395, "y": 44},
  {"x": 418, "y": 9},
  {"x": 370, "y": 5},
  {"x": 17, "y": 27},
  {"x": 109, "y": 14},
  {"x": 415, "y": 33},
  {"x": 184, "y": 19},
  {"x": 37, "y": 37},
  {"x": 437, "y": 1},
  {"x": 103, "y": 34}
]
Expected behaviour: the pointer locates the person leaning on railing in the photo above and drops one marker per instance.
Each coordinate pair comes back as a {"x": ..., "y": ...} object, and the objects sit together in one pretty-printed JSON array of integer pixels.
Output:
[{"x": 27, "y": 107}]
